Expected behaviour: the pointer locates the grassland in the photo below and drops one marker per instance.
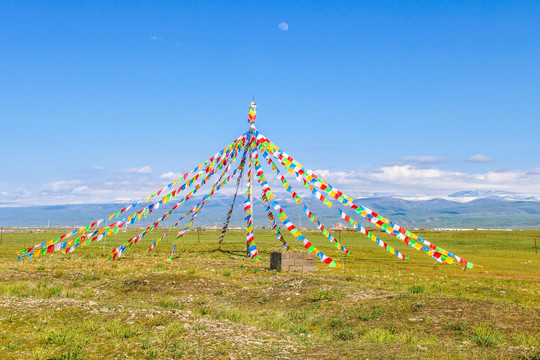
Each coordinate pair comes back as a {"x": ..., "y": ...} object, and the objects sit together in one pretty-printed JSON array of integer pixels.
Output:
[{"x": 216, "y": 304}]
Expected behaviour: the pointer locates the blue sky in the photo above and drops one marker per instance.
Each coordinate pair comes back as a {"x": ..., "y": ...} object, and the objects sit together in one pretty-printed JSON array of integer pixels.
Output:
[{"x": 102, "y": 101}]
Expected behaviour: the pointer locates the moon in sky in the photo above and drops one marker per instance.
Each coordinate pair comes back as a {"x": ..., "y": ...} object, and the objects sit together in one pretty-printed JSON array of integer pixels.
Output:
[{"x": 283, "y": 26}]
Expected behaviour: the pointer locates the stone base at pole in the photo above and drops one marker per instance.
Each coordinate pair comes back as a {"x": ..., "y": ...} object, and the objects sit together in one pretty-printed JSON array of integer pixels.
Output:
[{"x": 292, "y": 261}]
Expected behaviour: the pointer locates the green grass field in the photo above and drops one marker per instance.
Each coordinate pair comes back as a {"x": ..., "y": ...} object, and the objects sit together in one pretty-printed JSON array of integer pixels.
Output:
[{"x": 213, "y": 304}]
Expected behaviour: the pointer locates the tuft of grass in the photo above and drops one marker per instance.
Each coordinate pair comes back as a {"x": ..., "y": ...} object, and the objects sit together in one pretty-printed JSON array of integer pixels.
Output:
[
  {"x": 91, "y": 325},
  {"x": 526, "y": 339},
  {"x": 483, "y": 334},
  {"x": 119, "y": 330},
  {"x": 317, "y": 320},
  {"x": 18, "y": 289},
  {"x": 226, "y": 273},
  {"x": 161, "y": 266},
  {"x": 153, "y": 352},
  {"x": 344, "y": 334},
  {"x": 276, "y": 320},
  {"x": 203, "y": 310},
  {"x": 459, "y": 326},
  {"x": 168, "y": 303},
  {"x": 417, "y": 305},
  {"x": 73, "y": 353},
  {"x": 201, "y": 327},
  {"x": 172, "y": 332},
  {"x": 232, "y": 315},
  {"x": 91, "y": 277},
  {"x": 88, "y": 293},
  {"x": 416, "y": 289},
  {"x": 369, "y": 312},
  {"x": 64, "y": 337},
  {"x": 151, "y": 321},
  {"x": 336, "y": 322},
  {"x": 407, "y": 337},
  {"x": 298, "y": 316},
  {"x": 54, "y": 337},
  {"x": 300, "y": 320},
  {"x": 298, "y": 329},
  {"x": 57, "y": 273},
  {"x": 379, "y": 336},
  {"x": 40, "y": 354},
  {"x": 324, "y": 295},
  {"x": 532, "y": 354},
  {"x": 177, "y": 350},
  {"x": 51, "y": 292}
]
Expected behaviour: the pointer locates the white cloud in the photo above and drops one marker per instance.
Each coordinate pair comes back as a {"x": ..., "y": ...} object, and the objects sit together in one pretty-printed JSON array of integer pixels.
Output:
[
  {"x": 124, "y": 199},
  {"x": 479, "y": 158},
  {"x": 503, "y": 177},
  {"x": 98, "y": 168},
  {"x": 417, "y": 160},
  {"x": 170, "y": 175},
  {"x": 403, "y": 180},
  {"x": 155, "y": 38},
  {"x": 80, "y": 189},
  {"x": 60, "y": 186},
  {"x": 283, "y": 26},
  {"x": 145, "y": 170},
  {"x": 415, "y": 180}
]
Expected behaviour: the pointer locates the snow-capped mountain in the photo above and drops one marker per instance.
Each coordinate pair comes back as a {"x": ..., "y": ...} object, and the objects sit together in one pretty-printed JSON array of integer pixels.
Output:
[
  {"x": 491, "y": 194},
  {"x": 471, "y": 209}
]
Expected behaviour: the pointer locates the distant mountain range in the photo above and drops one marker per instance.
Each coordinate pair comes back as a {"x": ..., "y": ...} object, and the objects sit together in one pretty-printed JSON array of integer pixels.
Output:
[{"x": 464, "y": 209}]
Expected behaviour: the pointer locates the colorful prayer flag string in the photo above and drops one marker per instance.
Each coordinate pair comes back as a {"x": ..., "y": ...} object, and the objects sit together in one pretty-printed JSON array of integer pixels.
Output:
[
  {"x": 298, "y": 201},
  {"x": 229, "y": 214},
  {"x": 118, "y": 251},
  {"x": 372, "y": 237},
  {"x": 267, "y": 196},
  {"x": 250, "y": 238},
  {"x": 187, "y": 197},
  {"x": 395, "y": 230},
  {"x": 217, "y": 186},
  {"x": 203, "y": 167},
  {"x": 298, "y": 235}
]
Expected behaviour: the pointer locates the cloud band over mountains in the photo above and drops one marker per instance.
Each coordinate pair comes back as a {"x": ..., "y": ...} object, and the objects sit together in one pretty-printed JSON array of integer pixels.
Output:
[{"x": 400, "y": 179}]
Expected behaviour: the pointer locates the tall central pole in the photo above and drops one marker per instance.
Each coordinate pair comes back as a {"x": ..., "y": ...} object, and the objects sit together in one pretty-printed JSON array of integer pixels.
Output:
[
  {"x": 251, "y": 119},
  {"x": 251, "y": 184}
]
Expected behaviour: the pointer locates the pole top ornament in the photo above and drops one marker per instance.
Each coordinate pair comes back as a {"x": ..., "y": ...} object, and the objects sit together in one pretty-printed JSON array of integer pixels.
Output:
[{"x": 252, "y": 113}]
